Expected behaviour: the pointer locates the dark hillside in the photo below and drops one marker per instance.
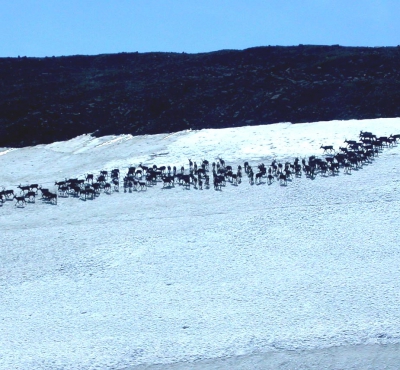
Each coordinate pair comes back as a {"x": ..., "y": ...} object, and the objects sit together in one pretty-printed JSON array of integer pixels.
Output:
[{"x": 51, "y": 99}]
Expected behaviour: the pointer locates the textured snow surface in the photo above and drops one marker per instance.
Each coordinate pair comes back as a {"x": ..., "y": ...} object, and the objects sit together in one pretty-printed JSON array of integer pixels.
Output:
[{"x": 189, "y": 277}]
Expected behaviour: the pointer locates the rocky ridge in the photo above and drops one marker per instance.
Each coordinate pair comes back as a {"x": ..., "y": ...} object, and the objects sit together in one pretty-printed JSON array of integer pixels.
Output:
[{"x": 57, "y": 98}]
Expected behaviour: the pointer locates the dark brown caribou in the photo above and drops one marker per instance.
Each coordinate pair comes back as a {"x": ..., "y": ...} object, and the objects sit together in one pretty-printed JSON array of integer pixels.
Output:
[
  {"x": 327, "y": 148},
  {"x": 20, "y": 201}
]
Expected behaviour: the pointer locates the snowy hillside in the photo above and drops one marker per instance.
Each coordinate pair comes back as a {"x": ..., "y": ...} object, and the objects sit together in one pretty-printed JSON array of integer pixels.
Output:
[{"x": 265, "y": 276}]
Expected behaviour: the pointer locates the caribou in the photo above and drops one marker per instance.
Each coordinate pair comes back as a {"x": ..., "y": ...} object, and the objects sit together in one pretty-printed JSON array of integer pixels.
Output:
[
  {"x": 327, "y": 148},
  {"x": 20, "y": 201},
  {"x": 351, "y": 156}
]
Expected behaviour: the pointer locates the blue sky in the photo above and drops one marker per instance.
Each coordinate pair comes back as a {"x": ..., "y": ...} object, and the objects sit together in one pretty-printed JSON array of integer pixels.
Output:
[{"x": 68, "y": 27}]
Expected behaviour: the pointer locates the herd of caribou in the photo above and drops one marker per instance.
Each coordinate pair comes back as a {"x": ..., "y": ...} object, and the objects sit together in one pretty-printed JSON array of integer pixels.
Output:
[{"x": 351, "y": 156}]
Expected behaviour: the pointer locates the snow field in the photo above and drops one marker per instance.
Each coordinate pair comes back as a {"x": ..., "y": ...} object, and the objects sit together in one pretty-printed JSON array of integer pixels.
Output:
[{"x": 172, "y": 275}]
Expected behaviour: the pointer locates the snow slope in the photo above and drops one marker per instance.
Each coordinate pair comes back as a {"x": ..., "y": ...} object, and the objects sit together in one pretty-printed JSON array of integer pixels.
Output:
[{"x": 186, "y": 277}]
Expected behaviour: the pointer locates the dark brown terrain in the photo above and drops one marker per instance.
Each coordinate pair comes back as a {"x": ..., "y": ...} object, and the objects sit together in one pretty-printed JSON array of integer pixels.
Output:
[{"x": 57, "y": 98}]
